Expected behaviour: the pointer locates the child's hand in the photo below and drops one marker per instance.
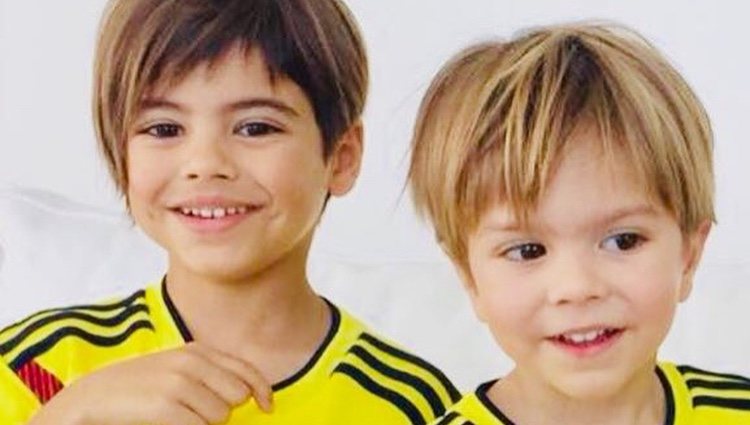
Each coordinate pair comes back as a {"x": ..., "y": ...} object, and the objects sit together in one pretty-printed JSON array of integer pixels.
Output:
[{"x": 191, "y": 385}]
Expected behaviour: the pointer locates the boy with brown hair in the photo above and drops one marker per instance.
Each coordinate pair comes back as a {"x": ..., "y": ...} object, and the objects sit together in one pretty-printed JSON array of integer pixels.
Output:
[
  {"x": 226, "y": 126},
  {"x": 568, "y": 175}
]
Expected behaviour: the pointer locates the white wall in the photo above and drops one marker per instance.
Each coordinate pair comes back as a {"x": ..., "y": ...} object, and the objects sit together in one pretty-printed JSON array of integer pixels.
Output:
[{"x": 46, "y": 136}]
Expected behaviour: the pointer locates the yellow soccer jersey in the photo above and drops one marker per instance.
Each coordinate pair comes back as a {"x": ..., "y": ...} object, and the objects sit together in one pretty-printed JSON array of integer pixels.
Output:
[
  {"x": 693, "y": 397},
  {"x": 354, "y": 377}
]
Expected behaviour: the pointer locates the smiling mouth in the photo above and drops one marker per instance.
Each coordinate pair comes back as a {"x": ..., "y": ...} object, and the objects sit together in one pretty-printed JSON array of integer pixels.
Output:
[
  {"x": 215, "y": 212},
  {"x": 589, "y": 338}
]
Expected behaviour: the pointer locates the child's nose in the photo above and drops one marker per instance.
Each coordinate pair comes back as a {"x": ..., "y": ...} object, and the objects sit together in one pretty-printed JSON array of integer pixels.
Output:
[
  {"x": 209, "y": 158},
  {"x": 574, "y": 281}
]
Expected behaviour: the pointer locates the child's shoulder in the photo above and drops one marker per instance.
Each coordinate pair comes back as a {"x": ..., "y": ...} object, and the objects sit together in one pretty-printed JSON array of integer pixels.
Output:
[
  {"x": 390, "y": 372},
  {"x": 102, "y": 323},
  {"x": 693, "y": 396},
  {"x": 698, "y": 396},
  {"x": 52, "y": 347}
]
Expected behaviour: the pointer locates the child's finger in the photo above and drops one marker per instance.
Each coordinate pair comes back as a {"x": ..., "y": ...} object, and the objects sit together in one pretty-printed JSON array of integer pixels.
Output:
[
  {"x": 235, "y": 378},
  {"x": 204, "y": 401},
  {"x": 179, "y": 415},
  {"x": 224, "y": 381}
]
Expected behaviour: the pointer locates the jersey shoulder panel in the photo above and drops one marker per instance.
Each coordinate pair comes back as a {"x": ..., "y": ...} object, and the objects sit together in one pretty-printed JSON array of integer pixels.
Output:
[
  {"x": 388, "y": 373},
  {"x": 716, "y": 397},
  {"x": 49, "y": 349}
]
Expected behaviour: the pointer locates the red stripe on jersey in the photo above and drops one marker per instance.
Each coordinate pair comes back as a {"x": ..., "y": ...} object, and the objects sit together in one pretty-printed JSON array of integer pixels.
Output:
[{"x": 41, "y": 382}]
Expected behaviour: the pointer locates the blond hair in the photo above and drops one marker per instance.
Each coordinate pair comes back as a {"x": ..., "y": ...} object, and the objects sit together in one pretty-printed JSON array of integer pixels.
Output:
[
  {"x": 495, "y": 118},
  {"x": 144, "y": 43}
]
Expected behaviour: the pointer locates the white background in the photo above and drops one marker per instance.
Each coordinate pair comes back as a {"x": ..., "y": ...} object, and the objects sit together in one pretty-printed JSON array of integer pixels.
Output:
[{"x": 46, "y": 135}]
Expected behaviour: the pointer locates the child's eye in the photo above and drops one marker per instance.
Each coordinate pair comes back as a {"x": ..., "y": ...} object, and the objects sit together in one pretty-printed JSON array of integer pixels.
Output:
[
  {"x": 525, "y": 252},
  {"x": 625, "y": 241},
  {"x": 255, "y": 129},
  {"x": 162, "y": 130}
]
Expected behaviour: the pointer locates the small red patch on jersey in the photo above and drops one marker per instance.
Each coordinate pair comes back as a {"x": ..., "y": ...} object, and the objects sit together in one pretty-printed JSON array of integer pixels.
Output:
[{"x": 41, "y": 382}]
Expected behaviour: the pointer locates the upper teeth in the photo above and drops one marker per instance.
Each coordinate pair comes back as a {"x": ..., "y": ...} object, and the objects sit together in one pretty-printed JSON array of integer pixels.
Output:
[
  {"x": 580, "y": 337},
  {"x": 213, "y": 212}
]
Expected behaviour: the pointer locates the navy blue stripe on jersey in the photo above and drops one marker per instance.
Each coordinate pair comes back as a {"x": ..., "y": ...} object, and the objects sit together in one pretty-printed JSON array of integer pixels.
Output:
[
  {"x": 332, "y": 331},
  {"x": 395, "y": 352},
  {"x": 694, "y": 383},
  {"x": 481, "y": 394},
  {"x": 689, "y": 369},
  {"x": 187, "y": 336},
  {"x": 437, "y": 406},
  {"x": 450, "y": 417},
  {"x": 396, "y": 399},
  {"x": 669, "y": 414},
  {"x": 87, "y": 307},
  {"x": 729, "y": 403},
  {"x": 118, "y": 319},
  {"x": 102, "y": 341},
  {"x": 447, "y": 419}
]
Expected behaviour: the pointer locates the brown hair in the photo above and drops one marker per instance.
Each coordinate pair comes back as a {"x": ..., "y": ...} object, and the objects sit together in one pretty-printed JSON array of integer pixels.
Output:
[
  {"x": 142, "y": 43},
  {"x": 495, "y": 118}
]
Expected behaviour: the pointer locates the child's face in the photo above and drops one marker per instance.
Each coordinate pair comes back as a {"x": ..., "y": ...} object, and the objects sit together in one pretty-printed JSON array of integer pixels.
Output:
[
  {"x": 583, "y": 297},
  {"x": 226, "y": 169}
]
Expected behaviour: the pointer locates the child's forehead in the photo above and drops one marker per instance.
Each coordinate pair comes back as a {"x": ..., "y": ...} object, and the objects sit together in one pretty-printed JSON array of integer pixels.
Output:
[
  {"x": 237, "y": 82},
  {"x": 249, "y": 61},
  {"x": 587, "y": 184}
]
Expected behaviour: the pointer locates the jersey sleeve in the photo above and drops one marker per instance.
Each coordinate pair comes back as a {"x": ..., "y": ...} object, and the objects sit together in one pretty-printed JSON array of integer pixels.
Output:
[{"x": 49, "y": 349}]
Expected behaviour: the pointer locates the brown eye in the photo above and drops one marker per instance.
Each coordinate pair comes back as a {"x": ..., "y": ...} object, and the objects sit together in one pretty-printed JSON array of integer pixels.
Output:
[
  {"x": 163, "y": 130},
  {"x": 256, "y": 129},
  {"x": 623, "y": 241},
  {"x": 525, "y": 252}
]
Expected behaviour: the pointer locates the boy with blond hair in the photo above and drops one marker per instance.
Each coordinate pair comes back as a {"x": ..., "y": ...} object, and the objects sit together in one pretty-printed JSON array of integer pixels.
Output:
[
  {"x": 568, "y": 175},
  {"x": 226, "y": 125}
]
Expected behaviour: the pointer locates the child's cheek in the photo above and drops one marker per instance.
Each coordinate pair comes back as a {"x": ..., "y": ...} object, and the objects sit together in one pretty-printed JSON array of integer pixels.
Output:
[
  {"x": 148, "y": 177},
  {"x": 503, "y": 302},
  {"x": 653, "y": 293},
  {"x": 294, "y": 176}
]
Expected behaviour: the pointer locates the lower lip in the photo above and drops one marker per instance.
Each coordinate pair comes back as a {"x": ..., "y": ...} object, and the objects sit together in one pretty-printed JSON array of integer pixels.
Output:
[
  {"x": 213, "y": 225},
  {"x": 588, "y": 349}
]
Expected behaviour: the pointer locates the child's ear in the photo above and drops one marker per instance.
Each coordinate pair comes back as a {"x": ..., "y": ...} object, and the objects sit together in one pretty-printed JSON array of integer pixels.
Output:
[
  {"x": 345, "y": 161},
  {"x": 693, "y": 250}
]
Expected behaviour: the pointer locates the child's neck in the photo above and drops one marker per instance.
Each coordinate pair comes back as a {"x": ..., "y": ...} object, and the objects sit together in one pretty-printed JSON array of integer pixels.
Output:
[
  {"x": 273, "y": 319},
  {"x": 525, "y": 400}
]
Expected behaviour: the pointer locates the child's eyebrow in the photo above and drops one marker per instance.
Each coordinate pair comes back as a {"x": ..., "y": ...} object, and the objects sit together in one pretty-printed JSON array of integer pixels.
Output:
[
  {"x": 260, "y": 102},
  {"x": 263, "y": 102},
  {"x": 500, "y": 226},
  {"x": 150, "y": 103},
  {"x": 640, "y": 209},
  {"x": 609, "y": 218},
  {"x": 510, "y": 225}
]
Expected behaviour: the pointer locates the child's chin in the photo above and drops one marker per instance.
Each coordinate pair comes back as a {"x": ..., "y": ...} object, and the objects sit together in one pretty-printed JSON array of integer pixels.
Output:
[
  {"x": 225, "y": 269},
  {"x": 221, "y": 261},
  {"x": 591, "y": 385}
]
